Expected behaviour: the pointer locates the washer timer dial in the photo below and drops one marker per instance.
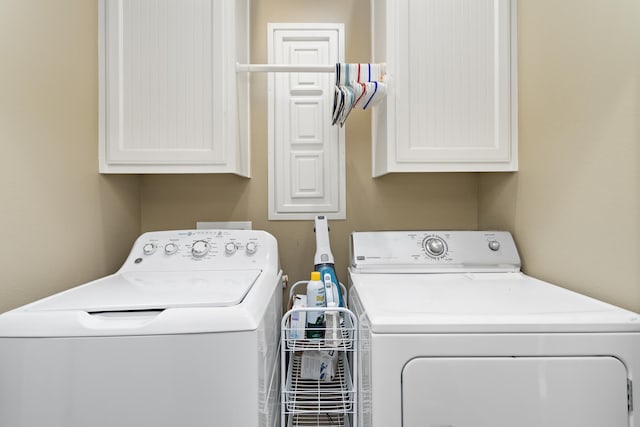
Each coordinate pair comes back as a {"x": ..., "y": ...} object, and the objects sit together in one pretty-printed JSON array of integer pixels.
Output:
[{"x": 434, "y": 246}]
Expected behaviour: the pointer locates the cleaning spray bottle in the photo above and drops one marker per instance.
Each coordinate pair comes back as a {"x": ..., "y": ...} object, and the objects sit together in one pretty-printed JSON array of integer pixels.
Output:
[
  {"x": 315, "y": 298},
  {"x": 324, "y": 262}
]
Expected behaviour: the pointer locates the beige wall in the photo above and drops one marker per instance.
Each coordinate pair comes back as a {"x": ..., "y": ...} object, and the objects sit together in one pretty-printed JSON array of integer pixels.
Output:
[
  {"x": 574, "y": 206},
  {"x": 62, "y": 223},
  {"x": 392, "y": 202}
]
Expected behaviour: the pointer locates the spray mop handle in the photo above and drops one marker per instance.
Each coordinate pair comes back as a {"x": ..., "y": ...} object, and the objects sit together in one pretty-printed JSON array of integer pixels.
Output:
[{"x": 323, "y": 249}]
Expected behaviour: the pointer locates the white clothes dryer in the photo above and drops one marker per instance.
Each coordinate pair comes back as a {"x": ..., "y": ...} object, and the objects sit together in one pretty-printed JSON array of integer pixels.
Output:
[
  {"x": 452, "y": 334},
  {"x": 185, "y": 334}
]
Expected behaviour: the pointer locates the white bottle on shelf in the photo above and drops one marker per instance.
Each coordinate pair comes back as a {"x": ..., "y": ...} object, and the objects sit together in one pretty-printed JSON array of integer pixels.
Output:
[{"x": 315, "y": 298}]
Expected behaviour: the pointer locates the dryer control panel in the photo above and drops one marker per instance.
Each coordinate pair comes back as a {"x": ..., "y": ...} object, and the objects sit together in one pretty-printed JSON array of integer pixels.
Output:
[
  {"x": 433, "y": 251},
  {"x": 182, "y": 250}
]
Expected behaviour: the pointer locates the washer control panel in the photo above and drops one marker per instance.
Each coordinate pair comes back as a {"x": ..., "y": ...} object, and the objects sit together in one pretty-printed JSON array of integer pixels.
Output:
[
  {"x": 433, "y": 251},
  {"x": 201, "y": 250}
]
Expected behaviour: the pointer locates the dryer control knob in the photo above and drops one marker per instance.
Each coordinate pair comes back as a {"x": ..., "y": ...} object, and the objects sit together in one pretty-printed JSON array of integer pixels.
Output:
[
  {"x": 199, "y": 248},
  {"x": 251, "y": 248},
  {"x": 170, "y": 248},
  {"x": 230, "y": 248},
  {"x": 435, "y": 246},
  {"x": 494, "y": 245},
  {"x": 149, "y": 248}
]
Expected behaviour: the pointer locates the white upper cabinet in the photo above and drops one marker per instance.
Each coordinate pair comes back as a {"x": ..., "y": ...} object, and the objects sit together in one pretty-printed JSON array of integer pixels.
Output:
[
  {"x": 452, "y": 98},
  {"x": 170, "y": 100}
]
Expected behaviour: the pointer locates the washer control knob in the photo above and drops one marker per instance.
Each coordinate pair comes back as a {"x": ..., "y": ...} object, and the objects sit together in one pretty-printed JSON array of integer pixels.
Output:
[
  {"x": 435, "y": 246},
  {"x": 251, "y": 248},
  {"x": 170, "y": 248},
  {"x": 149, "y": 248},
  {"x": 230, "y": 248},
  {"x": 494, "y": 245},
  {"x": 199, "y": 248}
]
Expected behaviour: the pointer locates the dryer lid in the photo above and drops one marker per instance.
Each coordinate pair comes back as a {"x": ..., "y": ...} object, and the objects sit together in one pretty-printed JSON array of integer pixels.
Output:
[
  {"x": 481, "y": 303},
  {"x": 154, "y": 291}
]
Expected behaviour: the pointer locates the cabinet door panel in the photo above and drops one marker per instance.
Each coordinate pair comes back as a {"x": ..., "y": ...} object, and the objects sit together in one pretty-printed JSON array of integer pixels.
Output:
[
  {"x": 453, "y": 81},
  {"x": 452, "y": 86},
  {"x": 162, "y": 104}
]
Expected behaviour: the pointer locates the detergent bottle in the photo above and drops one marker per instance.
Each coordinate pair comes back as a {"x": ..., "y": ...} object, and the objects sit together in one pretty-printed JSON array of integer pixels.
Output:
[
  {"x": 315, "y": 298},
  {"x": 324, "y": 263}
]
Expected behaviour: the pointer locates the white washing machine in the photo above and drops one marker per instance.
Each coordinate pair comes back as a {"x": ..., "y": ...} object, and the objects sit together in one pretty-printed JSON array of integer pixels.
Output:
[
  {"x": 185, "y": 334},
  {"x": 454, "y": 335}
]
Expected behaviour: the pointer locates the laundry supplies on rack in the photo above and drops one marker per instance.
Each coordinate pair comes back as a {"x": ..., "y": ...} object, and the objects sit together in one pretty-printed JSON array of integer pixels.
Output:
[
  {"x": 357, "y": 86},
  {"x": 319, "y": 377}
]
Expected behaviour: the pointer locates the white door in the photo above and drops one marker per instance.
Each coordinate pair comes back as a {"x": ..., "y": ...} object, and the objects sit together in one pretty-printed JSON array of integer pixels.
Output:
[
  {"x": 515, "y": 392},
  {"x": 306, "y": 153}
]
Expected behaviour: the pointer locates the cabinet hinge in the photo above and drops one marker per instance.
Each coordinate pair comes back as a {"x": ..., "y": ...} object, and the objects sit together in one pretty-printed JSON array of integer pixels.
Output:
[{"x": 629, "y": 395}]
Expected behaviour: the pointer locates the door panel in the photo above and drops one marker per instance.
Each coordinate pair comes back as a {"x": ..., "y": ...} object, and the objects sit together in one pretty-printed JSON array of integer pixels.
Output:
[{"x": 515, "y": 392}]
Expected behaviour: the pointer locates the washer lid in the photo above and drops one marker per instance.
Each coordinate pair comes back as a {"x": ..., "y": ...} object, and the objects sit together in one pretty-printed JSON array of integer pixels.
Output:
[
  {"x": 154, "y": 291},
  {"x": 482, "y": 302}
]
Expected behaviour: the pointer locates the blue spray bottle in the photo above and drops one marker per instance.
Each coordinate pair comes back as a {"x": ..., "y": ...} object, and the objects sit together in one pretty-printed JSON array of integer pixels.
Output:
[{"x": 324, "y": 262}]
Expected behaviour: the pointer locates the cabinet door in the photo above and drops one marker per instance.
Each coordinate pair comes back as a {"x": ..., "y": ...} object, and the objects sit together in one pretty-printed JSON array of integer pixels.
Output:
[
  {"x": 167, "y": 90},
  {"x": 455, "y": 85}
]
